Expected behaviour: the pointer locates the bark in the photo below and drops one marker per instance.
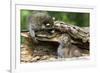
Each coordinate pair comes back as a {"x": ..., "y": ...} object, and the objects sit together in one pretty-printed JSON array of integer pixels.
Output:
[{"x": 80, "y": 36}]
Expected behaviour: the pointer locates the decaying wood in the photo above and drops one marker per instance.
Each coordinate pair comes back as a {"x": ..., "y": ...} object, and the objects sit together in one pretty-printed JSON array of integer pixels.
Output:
[
  {"x": 80, "y": 36},
  {"x": 32, "y": 52},
  {"x": 74, "y": 31}
]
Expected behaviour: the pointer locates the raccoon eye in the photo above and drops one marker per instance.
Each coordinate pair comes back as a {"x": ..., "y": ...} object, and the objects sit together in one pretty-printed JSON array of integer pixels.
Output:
[{"x": 47, "y": 25}]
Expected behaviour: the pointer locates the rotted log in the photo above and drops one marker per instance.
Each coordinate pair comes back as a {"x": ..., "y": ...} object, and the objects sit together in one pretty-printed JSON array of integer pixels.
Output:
[{"x": 80, "y": 36}]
